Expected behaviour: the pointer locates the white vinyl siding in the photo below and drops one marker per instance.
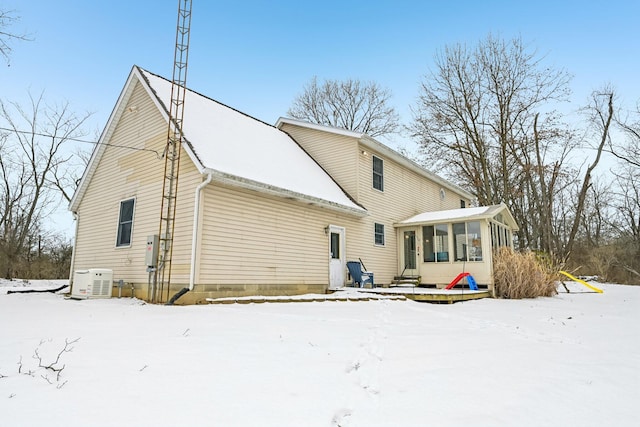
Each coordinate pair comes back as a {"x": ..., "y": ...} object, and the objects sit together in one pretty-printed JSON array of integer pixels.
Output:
[
  {"x": 406, "y": 193},
  {"x": 337, "y": 154},
  {"x": 135, "y": 172},
  {"x": 253, "y": 239}
]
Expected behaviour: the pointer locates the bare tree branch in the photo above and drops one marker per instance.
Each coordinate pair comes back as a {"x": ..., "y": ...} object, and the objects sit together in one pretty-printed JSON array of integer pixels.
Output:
[
  {"x": 602, "y": 110},
  {"x": 348, "y": 104},
  {"x": 34, "y": 171},
  {"x": 8, "y": 18},
  {"x": 479, "y": 119}
]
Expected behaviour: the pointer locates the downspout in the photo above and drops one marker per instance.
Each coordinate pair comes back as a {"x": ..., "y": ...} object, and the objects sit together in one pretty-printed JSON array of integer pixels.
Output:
[
  {"x": 196, "y": 229},
  {"x": 194, "y": 239},
  {"x": 76, "y": 217}
]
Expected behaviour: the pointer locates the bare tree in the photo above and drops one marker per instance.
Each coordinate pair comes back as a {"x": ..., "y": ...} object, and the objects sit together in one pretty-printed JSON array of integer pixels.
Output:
[
  {"x": 543, "y": 176},
  {"x": 626, "y": 221},
  {"x": 33, "y": 157},
  {"x": 630, "y": 155},
  {"x": 629, "y": 152},
  {"x": 349, "y": 104},
  {"x": 627, "y": 196},
  {"x": 601, "y": 113},
  {"x": 628, "y": 204},
  {"x": 484, "y": 118},
  {"x": 595, "y": 224},
  {"x": 7, "y": 18}
]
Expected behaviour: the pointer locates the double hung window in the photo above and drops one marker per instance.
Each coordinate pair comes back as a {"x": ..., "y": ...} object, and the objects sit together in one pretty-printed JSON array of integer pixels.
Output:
[
  {"x": 378, "y": 173},
  {"x": 379, "y": 234},
  {"x": 125, "y": 223}
]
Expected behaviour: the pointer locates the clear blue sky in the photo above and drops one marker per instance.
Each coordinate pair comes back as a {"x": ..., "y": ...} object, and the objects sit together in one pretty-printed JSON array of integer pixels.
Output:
[{"x": 256, "y": 56}]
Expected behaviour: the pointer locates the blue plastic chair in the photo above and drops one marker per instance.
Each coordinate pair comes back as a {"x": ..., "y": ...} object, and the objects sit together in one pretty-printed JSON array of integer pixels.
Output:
[{"x": 358, "y": 276}]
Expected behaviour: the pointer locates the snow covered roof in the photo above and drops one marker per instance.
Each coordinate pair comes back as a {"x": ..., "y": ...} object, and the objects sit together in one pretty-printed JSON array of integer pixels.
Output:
[
  {"x": 234, "y": 145},
  {"x": 240, "y": 150},
  {"x": 463, "y": 214}
]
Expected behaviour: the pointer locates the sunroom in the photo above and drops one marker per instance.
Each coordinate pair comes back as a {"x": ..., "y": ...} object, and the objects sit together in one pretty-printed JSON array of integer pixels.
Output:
[{"x": 438, "y": 246}]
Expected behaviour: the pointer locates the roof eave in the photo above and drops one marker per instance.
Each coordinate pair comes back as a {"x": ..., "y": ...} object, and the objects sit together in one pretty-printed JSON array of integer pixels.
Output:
[
  {"x": 338, "y": 131},
  {"x": 441, "y": 220},
  {"x": 106, "y": 134},
  {"x": 488, "y": 214},
  {"x": 236, "y": 181}
]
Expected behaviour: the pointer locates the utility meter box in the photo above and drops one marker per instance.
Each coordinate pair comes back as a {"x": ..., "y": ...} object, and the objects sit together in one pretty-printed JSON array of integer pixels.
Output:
[
  {"x": 151, "y": 256},
  {"x": 92, "y": 283}
]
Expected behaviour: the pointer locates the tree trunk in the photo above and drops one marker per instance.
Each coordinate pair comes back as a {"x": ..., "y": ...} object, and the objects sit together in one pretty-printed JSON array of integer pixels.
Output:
[{"x": 605, "y": 121}]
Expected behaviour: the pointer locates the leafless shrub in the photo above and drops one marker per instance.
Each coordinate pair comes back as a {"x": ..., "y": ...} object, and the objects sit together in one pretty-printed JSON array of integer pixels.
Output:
[
  {"x": 523, "y": 275},
  {"x": 54, "y": 366},
  {"x": 49, "y": 368}
]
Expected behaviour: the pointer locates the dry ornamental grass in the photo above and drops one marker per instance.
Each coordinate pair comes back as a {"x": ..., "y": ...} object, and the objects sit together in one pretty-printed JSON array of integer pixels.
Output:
[{"x": 523, "y": 275}]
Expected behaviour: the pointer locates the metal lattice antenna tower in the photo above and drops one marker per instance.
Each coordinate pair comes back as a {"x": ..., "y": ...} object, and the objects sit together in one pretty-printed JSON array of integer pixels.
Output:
[{"x": 172, "y": 150}]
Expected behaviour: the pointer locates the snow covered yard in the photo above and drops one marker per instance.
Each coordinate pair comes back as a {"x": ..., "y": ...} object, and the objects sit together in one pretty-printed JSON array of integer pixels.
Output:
[{"x": 570, "y": 360}]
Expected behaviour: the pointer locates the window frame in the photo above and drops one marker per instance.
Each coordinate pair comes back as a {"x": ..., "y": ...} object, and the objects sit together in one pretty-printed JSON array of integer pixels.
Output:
[
  {"x": 468, "y": 243},
  {"x": 377, "y": 174},
  {"x": 435, "y": 244},
  {"x": 121, "y": 223},
  {"x": 377, "y": 234}
]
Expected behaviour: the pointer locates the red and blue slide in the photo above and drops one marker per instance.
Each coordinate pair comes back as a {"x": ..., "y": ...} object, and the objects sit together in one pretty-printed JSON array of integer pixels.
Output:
[{"x": 470, "y": 280}]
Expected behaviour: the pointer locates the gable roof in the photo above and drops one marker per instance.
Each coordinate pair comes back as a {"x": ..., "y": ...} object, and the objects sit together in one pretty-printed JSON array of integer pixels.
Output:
[
  {"x": 235, "y": 148},
  {"x": 375, "y": 145},
  {"x": 462, "y": 214}
]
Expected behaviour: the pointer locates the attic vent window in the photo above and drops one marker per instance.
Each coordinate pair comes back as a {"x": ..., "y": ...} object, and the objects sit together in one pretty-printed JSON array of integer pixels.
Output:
[
  {"x": 125, "y": 223},
  {"x": 378, "y": 173}
]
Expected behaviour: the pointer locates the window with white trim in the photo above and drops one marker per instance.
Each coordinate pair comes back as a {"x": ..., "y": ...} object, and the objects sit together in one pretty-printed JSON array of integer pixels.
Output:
[
  {"x": 379, "y": 234},
  {"x": 378, "y": 173},
  {"x": 467, "y": 240},
  {"x": 436, "y": 243},
  {"x": 125, "y": 222}
]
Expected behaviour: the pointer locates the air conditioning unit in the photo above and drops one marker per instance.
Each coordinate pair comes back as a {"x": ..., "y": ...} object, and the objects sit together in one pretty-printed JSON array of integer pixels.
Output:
[{"x": 92, "y": 283}]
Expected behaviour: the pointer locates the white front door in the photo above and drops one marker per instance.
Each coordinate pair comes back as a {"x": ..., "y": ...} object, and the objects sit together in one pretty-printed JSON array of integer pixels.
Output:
[{"x": 337, "y": 259}]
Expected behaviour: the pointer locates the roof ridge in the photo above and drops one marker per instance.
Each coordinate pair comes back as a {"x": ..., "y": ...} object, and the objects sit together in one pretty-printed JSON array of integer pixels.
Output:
[{"x": 204, "y": 96}]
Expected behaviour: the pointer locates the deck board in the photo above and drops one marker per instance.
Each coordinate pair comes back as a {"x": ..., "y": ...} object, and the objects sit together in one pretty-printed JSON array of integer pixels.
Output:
[{"x": 431, "y": 295}]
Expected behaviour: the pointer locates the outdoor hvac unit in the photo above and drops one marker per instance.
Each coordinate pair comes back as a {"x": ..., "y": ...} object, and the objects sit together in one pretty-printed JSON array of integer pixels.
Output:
[{"x": 92, "y": 283}]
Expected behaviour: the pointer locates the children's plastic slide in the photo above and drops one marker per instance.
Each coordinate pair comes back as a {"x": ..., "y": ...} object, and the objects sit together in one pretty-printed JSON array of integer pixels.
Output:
[
  {"x": 470, "y": 280},
  {"x": 582, "y": 282}
]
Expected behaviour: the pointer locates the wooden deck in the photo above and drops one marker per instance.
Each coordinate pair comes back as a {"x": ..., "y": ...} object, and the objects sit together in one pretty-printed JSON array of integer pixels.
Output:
[
  {"x": 338, "y": 296},
  {"x": 414, "y": 293},
  {"x": 442, "y": 296}
]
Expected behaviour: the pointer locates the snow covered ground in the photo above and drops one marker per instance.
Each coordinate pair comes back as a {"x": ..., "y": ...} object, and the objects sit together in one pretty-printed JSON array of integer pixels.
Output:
[{"x": 570, "y": 360}]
